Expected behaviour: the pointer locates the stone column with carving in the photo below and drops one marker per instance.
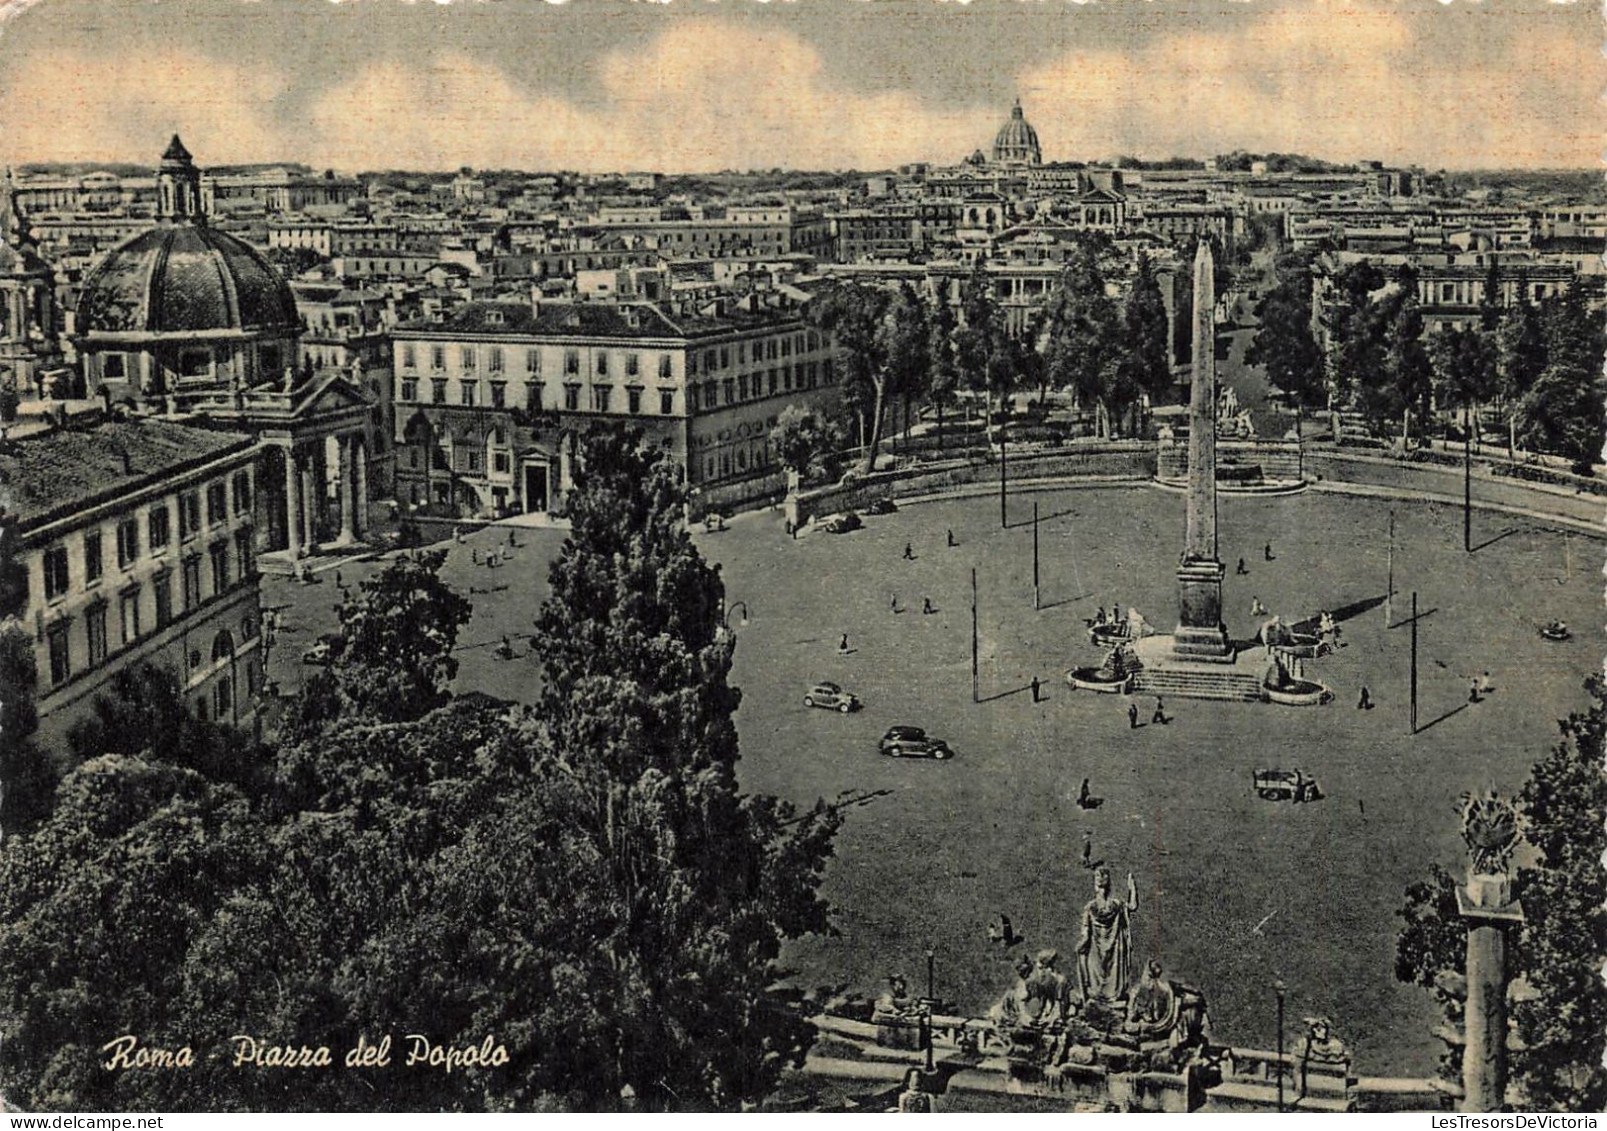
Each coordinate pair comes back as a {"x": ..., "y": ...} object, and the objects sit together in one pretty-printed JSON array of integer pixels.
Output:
[
  {"x": 310, "y": 502},
  {"x": 293, "y": 541},
  {"x": 359, "y": 451},
  {"x": 1490, "y": 828},
  {"x": 348, "y": 528}
]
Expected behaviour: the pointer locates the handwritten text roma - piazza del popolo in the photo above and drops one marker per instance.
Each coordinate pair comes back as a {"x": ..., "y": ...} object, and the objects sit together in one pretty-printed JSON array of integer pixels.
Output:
[{"x": 126, "y": 1053}]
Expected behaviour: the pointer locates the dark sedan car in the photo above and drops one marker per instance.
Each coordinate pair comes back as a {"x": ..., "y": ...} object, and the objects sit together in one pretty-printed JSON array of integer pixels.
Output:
[{"x": 913, "y": 742}]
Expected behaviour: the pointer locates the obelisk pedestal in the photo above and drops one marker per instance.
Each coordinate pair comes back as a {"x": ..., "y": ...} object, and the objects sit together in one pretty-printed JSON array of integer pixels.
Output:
[{"x": 1200, "y": 633}]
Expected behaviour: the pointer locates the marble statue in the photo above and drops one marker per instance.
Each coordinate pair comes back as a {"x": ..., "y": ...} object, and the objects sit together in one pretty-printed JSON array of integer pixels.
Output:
[
  {"x": 1106, "y": 943},
  {"x": 1152, "y": 1008}
]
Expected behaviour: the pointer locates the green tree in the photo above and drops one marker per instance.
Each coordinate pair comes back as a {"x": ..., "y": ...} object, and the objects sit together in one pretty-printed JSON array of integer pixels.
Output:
[
  {"x": 867, "y": 333},
  {"x": 1520, "y": 357},
  {"x": 691, "y": 885},
  {"x": 1562, "y": 414},
  {"x": 943, "y": 367},
  {"x": 1145, "y": 366},
  {"x": 989, "y": 361},
  {"x": 805, "y": 440},
  {"x": 27, "y": 773},
  {"x": 1080, "y": 335},
  {"x": 1284, "y": 341},
  {"x": 397, "y": 632}
]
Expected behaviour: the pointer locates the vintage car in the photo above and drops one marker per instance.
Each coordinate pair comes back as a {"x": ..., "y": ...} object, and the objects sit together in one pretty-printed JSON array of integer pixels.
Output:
[
  {"x": 843, "y": 523},
  {"x": 1286, "y": 785},
  {"x": 831, "y": 697},
  {"x": 883, "y": 505},
  {"x": 913, "y": 742}
]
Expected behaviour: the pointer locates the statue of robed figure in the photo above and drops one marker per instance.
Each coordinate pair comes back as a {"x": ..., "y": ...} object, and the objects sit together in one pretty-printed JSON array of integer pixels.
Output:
[{"x": 1103, "y": 953}]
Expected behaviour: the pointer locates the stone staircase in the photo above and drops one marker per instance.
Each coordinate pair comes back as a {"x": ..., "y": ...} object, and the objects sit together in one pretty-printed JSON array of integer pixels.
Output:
[{"x": 1231, "y": 684}]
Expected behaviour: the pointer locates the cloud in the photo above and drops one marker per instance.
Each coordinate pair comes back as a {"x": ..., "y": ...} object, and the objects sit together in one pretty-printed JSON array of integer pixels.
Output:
[
  {"x": 67, "y": 106},
  {"x": 703, "y": 95},
  {"x": 1339, "y": 80}
]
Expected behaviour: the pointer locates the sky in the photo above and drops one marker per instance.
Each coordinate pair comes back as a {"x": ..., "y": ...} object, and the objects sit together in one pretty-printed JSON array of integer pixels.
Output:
[{"x": 704, "y": 85}]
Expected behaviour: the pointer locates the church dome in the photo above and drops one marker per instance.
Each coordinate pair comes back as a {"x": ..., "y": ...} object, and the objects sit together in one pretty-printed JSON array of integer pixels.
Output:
[
  {"x": 185, "y": 278},
  {"x": 1017, "y": 142}
]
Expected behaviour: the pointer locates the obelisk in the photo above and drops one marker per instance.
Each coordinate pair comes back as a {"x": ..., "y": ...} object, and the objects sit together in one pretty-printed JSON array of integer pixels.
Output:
[{"x": 1200, "y": 634}]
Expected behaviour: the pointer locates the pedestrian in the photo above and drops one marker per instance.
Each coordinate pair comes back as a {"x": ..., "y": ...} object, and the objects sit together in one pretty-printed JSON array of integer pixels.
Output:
[
  {"x": 789, "y": 528},
  {"x": 1473, "y": 690},
  {"x": 1035, "y": 686},
  {"x": 951, "y": 538},
  {"x": 511, "y": 542},
  {"x": 893, "y": 604},
  {"x": 1160, "y": 713},
  {"x": 1257, "y": 609},
  {"x": 926, "y": 606},
  {"x": 339, "y": 584},
  {"x": 1132, "y": 716},
  {"x": 1365, "y": 703},
  {"x": 1267, "y": 553},
  {"x": 1099, "y": 617},
  {"x": 1243, "y": 570},
  {"x": 457, "y": 535},
  {"x": 909, "y": 552},
  {"x": 842, "y": 645},
  {"x": 474, "y": 555},
  {"x": 794, "y": 531}
]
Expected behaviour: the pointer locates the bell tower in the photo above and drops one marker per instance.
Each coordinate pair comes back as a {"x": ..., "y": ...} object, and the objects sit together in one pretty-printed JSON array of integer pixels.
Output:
[{"x": 178, "y": 185}]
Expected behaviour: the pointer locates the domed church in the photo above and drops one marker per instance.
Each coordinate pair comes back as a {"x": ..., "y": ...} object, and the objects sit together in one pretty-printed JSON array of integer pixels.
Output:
[
  {"x": 180, "y": 310},
  {"x": 1017, "y": 142},
  {"x": 187, "y": 321}
]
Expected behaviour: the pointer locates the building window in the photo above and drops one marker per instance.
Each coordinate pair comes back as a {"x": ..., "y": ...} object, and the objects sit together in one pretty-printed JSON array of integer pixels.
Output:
[
  {"x": 219, "y": 552},
  {"x": 92, "y": 557},
  {"x": 56, "y": 578},
  {"x": 217, "y": 504},
  {"x": 499, "y": 394},
  {"x": 691, "y": 398},
  {"x": 500, "y": 462},
  {"x": 440, "y": 459},
  {"x": 468, "y": 394},
  {"x": 243, "y": 552},
  {"x": 157, "y": 530},
  {"x": 572, "y": 398},
  {"x": 772, "y": 382},
  {"x": 632, "y": 365},
  {"x": 633, "y": 398},
  {"x": 666, "y": 402},
  {"x": 599, "y": 396},
  {"x": 533, "y": 398},
  {"x": 192, "y": 582},
  {"x": 438, "y": 391},
  {"x": 437, "y": 358},
  {"x": 602, "y": 364},
  {"x": 127, "y": 542},
  {"x": 571, "y": 362},
  {"x": 409, "y": 389},
  {"x": 112, "y": 368},
  {"x": 532, "y": 361},
  {"x": 494, "y": 359},
  {"x": 242, "y": 493},
  {"x": 162, "y": 587},
  {"x": 409, "y": 358},
  {"x": 730, "y": 391},
  {"x": 128, "y": 613},
  {"x": 61, "y": 664},
  {"x": 223, "y": 697},
  {"x": 189, "y": 515},
  {"x": 742, "y": 387},
  {"x": 473, "y": 460},
  {"x": 466, "y": 358},
  {"x": 95, "y": 626},
  {"x": 725, "y": 357},
  {"x": 665, "y": 372}
]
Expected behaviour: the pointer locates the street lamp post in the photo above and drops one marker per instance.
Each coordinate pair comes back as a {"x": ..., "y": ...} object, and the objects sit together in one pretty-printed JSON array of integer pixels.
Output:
[
  {"x": 725, "y": 614},
  {"x": 1002, "y": 523},
  {"x": 975, "y": 675},
  {"x": 1467, "y": 480},
  {"x": 1035, "y": 600},
  {"x": 931, "y": 1001},
  {"x": 1280, "y": 989}
]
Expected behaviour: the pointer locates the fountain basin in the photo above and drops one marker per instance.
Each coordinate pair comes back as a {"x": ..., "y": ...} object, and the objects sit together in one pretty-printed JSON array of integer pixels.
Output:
[
  {"x": 1299, "y": 693},
  {"x": 1090, "y": 679}
]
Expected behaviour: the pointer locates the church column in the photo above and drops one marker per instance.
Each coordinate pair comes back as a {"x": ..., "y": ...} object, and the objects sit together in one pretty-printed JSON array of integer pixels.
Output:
[
  {"x": 310, "y": 502},
  {"x": 292, "y": 504},
  {"x": 348, "y": 529},
  {"x": 360, "y": 467}
]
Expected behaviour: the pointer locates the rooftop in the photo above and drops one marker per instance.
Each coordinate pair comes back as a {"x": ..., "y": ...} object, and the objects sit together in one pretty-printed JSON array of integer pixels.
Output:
[
  {"x": 593, "y": 319},
  {"x": 51, "y": 474}
]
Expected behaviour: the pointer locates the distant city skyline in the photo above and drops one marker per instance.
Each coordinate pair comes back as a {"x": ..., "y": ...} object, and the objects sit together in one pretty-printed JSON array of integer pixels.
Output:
[{"x": 694, "y": 86}]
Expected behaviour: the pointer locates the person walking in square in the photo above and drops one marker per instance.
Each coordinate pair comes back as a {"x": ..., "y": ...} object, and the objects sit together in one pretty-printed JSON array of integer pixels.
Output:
[
  {"x": 1035, "y": 686},
  {"x": 909, "y": 552},
  {"x": 1132, "y": 716},
  {"x": 842, "y": 645},
  {"x": 1160, "y": 713},
  {"x": 926, "y": 606},
  {"x": 951, "y": 539},
  {"x": 1365, "y": 703}
]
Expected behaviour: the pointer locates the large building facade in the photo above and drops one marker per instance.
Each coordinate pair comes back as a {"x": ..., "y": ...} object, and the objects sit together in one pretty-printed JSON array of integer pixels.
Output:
[
  {"x": 489, "y": 401},
  {"x": 136, "y": 539}
]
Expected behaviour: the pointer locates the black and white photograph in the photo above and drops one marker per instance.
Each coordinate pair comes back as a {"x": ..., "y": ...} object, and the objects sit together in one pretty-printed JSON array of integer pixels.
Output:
[{"x": 815, "y": 556}]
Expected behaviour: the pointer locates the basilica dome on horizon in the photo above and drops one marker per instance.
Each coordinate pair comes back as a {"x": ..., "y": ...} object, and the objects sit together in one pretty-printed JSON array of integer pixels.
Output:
[{"x": 1017, "y": 142}]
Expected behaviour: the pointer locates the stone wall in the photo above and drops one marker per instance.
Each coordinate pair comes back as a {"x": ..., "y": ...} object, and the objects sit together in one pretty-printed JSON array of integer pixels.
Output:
[
  {"x": 1114, "y": 461},
  {"x": 752, "y": 493}
]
